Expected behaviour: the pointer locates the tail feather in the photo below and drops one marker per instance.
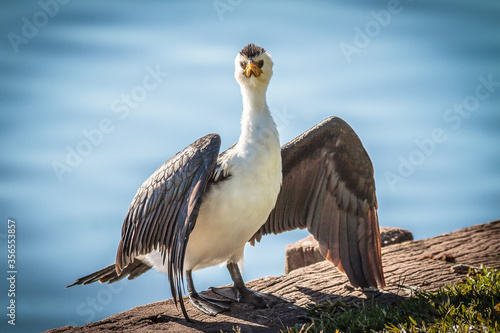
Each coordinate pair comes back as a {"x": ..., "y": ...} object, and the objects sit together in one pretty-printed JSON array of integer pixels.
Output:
[{"x": 109, "y": 275}]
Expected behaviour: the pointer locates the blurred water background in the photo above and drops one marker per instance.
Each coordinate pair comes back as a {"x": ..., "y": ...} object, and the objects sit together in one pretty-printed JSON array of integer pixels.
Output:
[{"x": 96, "y": 95}]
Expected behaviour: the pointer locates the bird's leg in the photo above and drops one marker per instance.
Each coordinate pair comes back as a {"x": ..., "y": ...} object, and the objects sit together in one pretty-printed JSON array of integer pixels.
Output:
[
  {"x": 210, "y": 307},
  {"x": 240, "y": 293}
]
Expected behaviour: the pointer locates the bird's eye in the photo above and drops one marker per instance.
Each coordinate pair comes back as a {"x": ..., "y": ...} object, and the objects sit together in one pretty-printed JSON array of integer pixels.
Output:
[
  {"x": 260, "y": 63},
  {"x": 243, "y": 64}
]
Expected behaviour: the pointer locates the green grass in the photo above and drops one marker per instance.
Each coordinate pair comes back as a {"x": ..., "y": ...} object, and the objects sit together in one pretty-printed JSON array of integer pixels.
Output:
[{"x": 472, "y": 305}]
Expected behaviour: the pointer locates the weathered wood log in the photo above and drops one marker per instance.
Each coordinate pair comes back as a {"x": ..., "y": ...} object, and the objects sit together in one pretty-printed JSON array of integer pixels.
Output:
[
  {"x": 305, "y": 252},
  {"x": 422, "y": 264}
]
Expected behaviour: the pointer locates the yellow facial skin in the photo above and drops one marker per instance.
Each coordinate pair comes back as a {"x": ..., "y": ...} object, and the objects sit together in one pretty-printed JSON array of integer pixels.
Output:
[{"x": 252, "y": 68}]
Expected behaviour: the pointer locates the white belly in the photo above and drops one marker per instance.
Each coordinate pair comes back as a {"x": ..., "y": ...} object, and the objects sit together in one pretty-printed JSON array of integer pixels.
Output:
[
  {"x": 231, "y": 215},
  {"x": 231, "y": 212}
]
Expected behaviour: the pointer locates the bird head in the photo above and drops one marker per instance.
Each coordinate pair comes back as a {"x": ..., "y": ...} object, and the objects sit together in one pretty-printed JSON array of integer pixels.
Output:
[{"x": 253, "y": 67}]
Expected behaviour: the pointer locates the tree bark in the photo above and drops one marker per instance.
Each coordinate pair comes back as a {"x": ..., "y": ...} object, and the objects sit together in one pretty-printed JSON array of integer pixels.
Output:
[
  {"x": 423, "y": 264},
  {"x": 305, "y": 252}
]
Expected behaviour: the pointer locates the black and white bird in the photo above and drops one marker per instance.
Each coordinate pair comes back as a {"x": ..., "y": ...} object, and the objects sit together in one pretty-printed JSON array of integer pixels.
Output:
[{"x": 200, "y": 208}]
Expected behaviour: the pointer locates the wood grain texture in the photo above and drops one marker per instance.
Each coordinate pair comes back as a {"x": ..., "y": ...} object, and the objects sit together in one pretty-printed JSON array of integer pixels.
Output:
[{"x": 423, "y": 264}]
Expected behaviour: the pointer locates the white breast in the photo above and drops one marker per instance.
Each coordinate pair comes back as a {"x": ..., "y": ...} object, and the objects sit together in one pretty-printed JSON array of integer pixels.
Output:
[{"x": 234, "y": 209}]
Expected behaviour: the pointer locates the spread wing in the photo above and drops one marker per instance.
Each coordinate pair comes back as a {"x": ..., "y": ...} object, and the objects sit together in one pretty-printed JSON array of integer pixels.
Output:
[
  {"x": 164, "y": 210},
  {"x": 328, "y": 188}
]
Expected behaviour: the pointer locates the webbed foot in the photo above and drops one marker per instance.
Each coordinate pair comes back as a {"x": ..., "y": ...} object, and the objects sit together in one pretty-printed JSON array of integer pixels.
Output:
[
  {"x": 245, "y": 295},
  {"x": 208, "y": 305}
]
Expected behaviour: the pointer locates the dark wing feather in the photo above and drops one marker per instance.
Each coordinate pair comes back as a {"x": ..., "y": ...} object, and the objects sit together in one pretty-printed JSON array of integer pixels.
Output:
[
  {"x": 164, "y": 210},
  {"x": 109, "y": 275},
  {"x": 328, "y": 188}
]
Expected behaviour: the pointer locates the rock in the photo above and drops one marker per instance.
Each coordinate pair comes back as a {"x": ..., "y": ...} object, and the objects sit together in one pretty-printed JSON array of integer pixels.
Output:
[
  {"x": 464, "y": 269},
  {"x": 407, "y": 266},
  {"x": 305, "y": 252},
  {"x": 394, "y": 235}
]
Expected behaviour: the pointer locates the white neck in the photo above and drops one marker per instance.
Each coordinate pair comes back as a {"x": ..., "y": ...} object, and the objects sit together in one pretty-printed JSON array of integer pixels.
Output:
[{"x": 257, "y": 124}]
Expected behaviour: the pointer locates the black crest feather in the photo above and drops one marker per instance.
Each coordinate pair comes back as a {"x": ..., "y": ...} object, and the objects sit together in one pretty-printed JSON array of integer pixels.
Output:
[{"x": 252, "y": 50}]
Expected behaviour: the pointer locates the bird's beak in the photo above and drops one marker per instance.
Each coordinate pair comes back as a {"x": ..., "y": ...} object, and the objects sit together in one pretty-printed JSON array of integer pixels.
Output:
[{"x": 252, "y": 69}]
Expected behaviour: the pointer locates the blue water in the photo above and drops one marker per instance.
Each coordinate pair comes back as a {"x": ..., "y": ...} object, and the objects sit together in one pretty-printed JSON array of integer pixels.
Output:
[{"x": 419, "y": 81}]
